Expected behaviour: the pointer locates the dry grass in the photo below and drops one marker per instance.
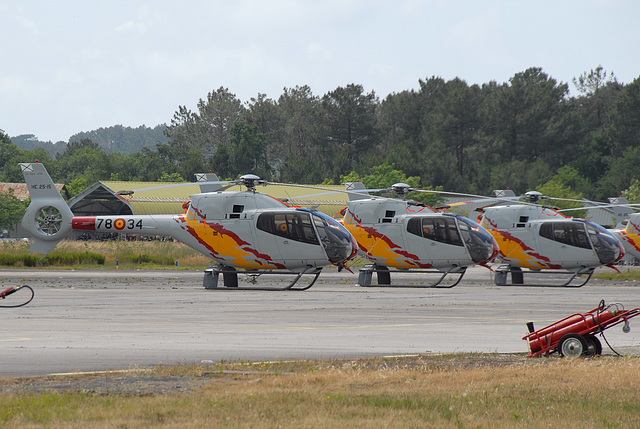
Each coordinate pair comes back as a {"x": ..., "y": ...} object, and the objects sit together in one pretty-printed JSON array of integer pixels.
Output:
[
  {"x": 129, "y": 254},
  {"x": 420, "y": 392},
  {"x": 626, "y": 273}
]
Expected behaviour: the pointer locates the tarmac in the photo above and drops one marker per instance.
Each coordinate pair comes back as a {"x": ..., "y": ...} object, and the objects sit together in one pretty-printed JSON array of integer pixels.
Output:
[{"x": 104, "y": 320}]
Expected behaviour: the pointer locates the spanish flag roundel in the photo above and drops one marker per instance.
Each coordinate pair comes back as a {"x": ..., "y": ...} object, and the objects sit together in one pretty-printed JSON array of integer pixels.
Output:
[{"x": 119, "y": 223}]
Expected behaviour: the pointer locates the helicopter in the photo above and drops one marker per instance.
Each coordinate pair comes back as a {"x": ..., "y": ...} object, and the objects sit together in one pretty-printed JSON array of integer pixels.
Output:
[
  {"x": 542, "y": 240},
  {"x": 241, "y": 231},
  {"x": 404, "y": 236},
  {"x": 629, "y": 236},
  {"x": 620, "y": 213}
]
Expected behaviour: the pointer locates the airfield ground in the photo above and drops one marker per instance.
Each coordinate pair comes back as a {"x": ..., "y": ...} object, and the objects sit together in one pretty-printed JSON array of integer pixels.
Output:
[{"x": 116, "y": 320}]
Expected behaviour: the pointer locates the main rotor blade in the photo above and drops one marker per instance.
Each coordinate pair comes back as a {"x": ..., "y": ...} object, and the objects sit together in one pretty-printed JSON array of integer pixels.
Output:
[
  {"x": 177, "y": 185},
  {"x": 604, "y": 207},
  {"x": 329, "y": 190}
]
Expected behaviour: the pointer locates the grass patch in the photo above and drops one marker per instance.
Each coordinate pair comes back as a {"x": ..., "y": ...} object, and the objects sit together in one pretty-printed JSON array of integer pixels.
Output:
[
  {"x": 475, "y": 391},
  {"x": 92, "y": 255},
  {"x": 57, "y": 258},
  {"x": 626, "y": 274}
]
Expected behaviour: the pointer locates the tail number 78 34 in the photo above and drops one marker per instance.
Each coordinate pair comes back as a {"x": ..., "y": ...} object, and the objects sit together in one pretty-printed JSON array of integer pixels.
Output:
[{"x": 119, "y": 223}]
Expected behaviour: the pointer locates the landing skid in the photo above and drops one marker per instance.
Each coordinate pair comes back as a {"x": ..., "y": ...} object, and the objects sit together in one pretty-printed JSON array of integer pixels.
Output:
[
  {"x": 384, "y": 277},
  {"x": 518, "y": 274},
  {"x": 230, "y": 279}
]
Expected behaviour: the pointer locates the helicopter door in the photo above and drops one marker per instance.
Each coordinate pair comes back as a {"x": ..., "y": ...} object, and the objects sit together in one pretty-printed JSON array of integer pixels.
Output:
[
  {"x": 440, "y": 238},
  {"x": 572, "y": 248},
  {"x": 293, "y": 234}
]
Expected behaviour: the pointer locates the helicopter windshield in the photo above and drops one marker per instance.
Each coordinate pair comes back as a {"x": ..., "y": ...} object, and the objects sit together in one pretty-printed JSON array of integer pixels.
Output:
[
  {"x": 299, "y": 225},
  {"x": 606, "y": 245},
  {"x": 480, "y": 243},
  {"x": 336, "y": 240}
]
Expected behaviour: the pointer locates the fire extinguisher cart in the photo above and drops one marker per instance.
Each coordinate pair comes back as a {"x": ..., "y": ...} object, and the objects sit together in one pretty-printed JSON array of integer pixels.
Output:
[{"x": 575, "y": 335}]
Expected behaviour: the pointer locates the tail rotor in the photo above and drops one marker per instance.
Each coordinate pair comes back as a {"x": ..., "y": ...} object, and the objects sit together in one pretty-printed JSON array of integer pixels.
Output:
[{"x": 48, "y": 218}]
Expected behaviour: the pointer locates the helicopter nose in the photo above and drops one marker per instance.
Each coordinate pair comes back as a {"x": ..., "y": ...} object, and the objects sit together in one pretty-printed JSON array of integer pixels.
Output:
[
  {"x": 354, "y": 249},
  {"x": 496, "y": 250},
  {"x": 350, "y": 250},
  {"x": 482, "y": 246},
  {"x": 621, "y": 253},
  {"x": 487, "y": 252},
  {"x": 612, "y": 256}
]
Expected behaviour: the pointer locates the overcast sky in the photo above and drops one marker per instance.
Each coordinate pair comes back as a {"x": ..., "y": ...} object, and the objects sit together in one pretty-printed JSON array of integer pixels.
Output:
[{"x": 72, "y": 66}]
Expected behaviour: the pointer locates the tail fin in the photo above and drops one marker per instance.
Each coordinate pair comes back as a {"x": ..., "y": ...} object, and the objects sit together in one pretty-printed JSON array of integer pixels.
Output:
[
  {"x": 209, "y": 182},
  {"x": 48, "y": 218},
  {"x": 357, "y": 191},
  {"x": 633, "y": 226}
]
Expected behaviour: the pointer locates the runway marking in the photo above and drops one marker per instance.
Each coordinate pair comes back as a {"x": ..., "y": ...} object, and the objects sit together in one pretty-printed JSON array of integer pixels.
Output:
[
  {"x": 400, "y": 356},
  {"x": 17, "y": 339},
  {"x": 113, "y": 371},
  {"x": 404, "y": 325},
  {"x": 303, "y": 360}
]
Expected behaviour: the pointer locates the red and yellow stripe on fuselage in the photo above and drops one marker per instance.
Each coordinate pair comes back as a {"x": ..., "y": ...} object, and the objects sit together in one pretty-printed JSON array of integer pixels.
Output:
[
  {"x": 210, "y": 238},
  {"x": 379, "y": 247}
]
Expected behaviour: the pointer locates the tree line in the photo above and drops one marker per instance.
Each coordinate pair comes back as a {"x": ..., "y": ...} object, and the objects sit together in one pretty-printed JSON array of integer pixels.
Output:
[{"x": 527, "y": 133}]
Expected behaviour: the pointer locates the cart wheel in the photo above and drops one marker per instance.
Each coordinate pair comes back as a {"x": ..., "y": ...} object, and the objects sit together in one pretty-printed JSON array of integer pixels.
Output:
[
  {"x": 572, "y": 345},
  {"x": 594, "y": 346}
]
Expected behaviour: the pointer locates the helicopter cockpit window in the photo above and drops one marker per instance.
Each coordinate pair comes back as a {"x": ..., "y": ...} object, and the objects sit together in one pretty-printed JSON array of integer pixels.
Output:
[
  {"x": 335, "y": 239},
  {"x": 441, "y": 229},
  {"x": 604, "y": 243},
  {"x": 569, "y": 233},
  {"x": 294, "y": 226}
]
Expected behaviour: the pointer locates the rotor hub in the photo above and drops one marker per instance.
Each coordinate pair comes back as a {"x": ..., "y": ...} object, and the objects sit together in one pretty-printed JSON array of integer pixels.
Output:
[
  {"x": 533, "y": 196},
  {"x": 401, "y": 189},
  {"x": 251, "y": 181}
]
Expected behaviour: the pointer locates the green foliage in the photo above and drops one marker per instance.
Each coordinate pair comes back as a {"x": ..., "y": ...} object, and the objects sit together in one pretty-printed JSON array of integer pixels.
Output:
[
  {"x": 193, "y": 138},
  {"x": 571, "y": 179},
  {"x": 77, "y": 185},
  {"x": 145, "y": 258},
  {"x": 385, "y": 175},
  {"x": 56, "y": 258},
  {"x": 11, "y": 210},
  {"x": 244, "y": 154},
  {"x": 556, "y": 189},
  {"x": 351, "y": 177},
  {"x": 170, "y": 177},
  {"x": 83, "y": 159},
  {"x": 520, "y": 134},
  {"x": 31, "y": 142},
  {"x": 124, "y": 140},
  {"x": 632, "y": 193},
  {"x": 622, "y": 173},
  {"x": 381, "y": 177}
]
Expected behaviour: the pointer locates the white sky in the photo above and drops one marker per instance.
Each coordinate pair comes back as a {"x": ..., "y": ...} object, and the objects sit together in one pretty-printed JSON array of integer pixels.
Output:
[{"x": 72, "y": 66}]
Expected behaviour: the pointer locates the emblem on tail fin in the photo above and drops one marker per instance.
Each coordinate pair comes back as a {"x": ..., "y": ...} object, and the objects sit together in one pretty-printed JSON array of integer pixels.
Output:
[
  {"x": 48, "y": 218},
  {"x": 358, "y": 191}
]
